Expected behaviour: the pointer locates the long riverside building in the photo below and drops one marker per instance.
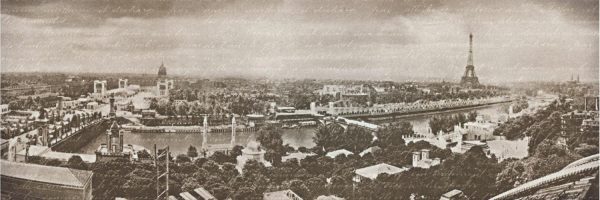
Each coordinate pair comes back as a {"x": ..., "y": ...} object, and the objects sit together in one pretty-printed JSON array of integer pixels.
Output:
[
  {"x": 405, "y": 108},
  {"x": 32, "y": 181}
]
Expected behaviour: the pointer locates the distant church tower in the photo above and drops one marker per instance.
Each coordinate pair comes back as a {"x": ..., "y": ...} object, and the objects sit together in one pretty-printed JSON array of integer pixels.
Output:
[
  {"x": 163, "y": 85},
  {"x": 469, "y": 77}
]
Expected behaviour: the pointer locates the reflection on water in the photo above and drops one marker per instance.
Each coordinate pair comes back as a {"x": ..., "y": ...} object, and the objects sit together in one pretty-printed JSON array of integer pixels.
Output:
[
  {"x": 179, "y": 142},
  {"x": 421, "y": 122}
]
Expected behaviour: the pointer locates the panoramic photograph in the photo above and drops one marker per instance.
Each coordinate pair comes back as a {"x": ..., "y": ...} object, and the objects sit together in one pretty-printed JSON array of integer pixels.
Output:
[{"x": 299, "y": 99}]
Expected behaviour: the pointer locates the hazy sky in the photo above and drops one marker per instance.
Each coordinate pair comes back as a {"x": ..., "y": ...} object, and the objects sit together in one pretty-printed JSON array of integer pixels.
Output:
[{"x": 341, "y": 39}]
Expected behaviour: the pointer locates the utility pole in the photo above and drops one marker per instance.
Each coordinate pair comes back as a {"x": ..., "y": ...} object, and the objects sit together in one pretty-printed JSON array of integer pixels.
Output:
[{"x": 157, "y": 155}]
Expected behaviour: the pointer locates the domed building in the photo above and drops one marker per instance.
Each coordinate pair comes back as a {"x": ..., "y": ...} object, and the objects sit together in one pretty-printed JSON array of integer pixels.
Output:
[
  {"x": 162, "y": 71},
  {"x": 252, "y": 151}
]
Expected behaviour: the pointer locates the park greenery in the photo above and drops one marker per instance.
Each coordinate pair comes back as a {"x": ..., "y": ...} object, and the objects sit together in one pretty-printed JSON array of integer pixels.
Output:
[{"x": 446, "y": 123}]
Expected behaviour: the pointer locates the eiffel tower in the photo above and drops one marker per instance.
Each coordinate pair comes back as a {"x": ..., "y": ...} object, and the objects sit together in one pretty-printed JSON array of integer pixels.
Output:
[{"x": 469, "y": 78}]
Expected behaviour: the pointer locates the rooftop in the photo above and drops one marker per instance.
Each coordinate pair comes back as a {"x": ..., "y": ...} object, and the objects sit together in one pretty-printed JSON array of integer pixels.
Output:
[
  {"x": 46, "y": 174},
  {"x": 452, "y": 193},
  {"x": 297, "y": 155},
  {"x": 338, "y": 152},
  {"x": 281, "y": 195},
  {"x": 372, "y": 172},
  {"x": 330, "y": 197}
]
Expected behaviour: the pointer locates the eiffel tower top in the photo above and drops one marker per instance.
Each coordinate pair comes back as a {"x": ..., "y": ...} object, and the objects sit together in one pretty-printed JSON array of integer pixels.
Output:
[{"x": 470, "y": 60}]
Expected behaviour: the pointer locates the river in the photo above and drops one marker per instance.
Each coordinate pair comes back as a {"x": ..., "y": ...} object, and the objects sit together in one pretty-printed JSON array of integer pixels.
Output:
[{"x": 179, "y": 142}]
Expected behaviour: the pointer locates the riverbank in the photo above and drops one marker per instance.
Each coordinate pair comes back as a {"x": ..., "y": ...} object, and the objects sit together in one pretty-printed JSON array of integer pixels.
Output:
[{"x": 425, "y": 113}]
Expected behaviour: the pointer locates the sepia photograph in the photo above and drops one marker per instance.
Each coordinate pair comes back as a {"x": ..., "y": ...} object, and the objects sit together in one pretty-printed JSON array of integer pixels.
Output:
[{"x": 299, "y": 100}]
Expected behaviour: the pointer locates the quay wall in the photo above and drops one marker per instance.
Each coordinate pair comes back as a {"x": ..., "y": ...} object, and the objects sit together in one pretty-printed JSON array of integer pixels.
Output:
[
  {"x": 394, "y": 115},
  {"x": 82, "y": 137}
]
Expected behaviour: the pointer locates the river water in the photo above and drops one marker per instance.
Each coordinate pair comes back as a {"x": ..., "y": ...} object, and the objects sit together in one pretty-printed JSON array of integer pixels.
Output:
[{"x": 179, "y": 142}]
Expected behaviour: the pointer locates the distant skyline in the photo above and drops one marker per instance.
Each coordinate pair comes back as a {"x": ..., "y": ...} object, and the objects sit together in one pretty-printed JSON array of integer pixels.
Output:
[{"x": 540, "y": 40}]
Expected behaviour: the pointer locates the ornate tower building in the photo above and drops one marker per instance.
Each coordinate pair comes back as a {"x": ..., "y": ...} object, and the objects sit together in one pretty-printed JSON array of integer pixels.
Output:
[
  {"x": 114, "y": 147},
  {"x": 469, "y": 78},
  {"x": 163, "y": 85},
  {"x": 112, "y": 112},
  {"x": 114, "y": 137}
]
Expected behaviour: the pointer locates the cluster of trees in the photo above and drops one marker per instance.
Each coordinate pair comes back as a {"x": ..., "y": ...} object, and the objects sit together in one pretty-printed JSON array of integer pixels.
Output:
[
  {"x": 122, "y": 178},
  {"x": 213, "y": 104},
  {"x": 546, "y": 154},
  {"x": 391, "y": 135},
  {"x": 546, "y": 158},
  {"x": 516, "y": 128},
  {"x": 270, "y": 138},
  {"x": 33, "y": 103},
  {"x": 513, "y": 128},
  {"x": 75, "y": 90},
  {"x": 302, "y": 100},
  {"x": 75, "y": 162},
  {"x": 334, "y": 136},
  {"x": 446, "y": 123},
  {"x": 471, "y": 173},
  {"x": 520, "y": 105},
  {"x": 408, "y": 96},
  {"x": 545, "y": 123}
]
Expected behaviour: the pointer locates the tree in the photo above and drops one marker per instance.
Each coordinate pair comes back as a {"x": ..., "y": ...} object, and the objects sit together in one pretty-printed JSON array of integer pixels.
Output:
[
  {"x": 586, "y": 150},
  {"x": 270, "y": 137},
  {"x": 244, "y": 193},
  {"x": 236, "y": 151},
  {"x": 220, "y": 157},
  {"x": 144, "y": 154},
  {"x": 303, "y": 149},
  {"x": 36, "y": 160},
  {"x": 211, "y": 166},
  {"x": 472, "y": 116},
  {"x": 76, "y": 162},
  {"x": 328, "y": 136},
  {"x": 53, "y": 162},
  {"x": 357, "y": 138},
  {"x": 392, "y": 134},
  {"x": 339, "y": 187},
  {"x": 42, "y": 113},
  {"x": 182, "y": 158},
  {"x": 300, "y": 189},
  {"x": 510, "y": 176},
  {"x": 253, "y": 168},
  {"x": 316, "y": 186},
  {"x": 189, "y": 184},
  {"x": 192, "y": 152},
  {"x": 228, "y": 172},
  {"x": 221, "y": 191}
]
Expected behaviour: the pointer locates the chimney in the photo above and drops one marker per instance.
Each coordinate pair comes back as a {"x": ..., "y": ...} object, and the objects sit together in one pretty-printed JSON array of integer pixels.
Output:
[
  {"x": 425, "y": 154},
  {"x": 44, "y": 133},
  {"x": 233, "y": 127},
  {"x": 121, "y": 140},
  {"x": 108, "y": 140},
  {"x": 416, "y": 159},
  {"x": 112, "y": 105}
]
